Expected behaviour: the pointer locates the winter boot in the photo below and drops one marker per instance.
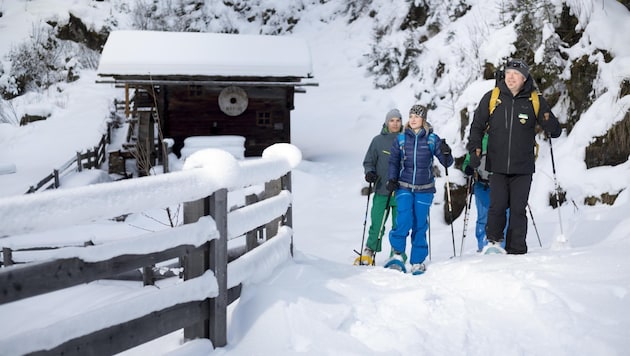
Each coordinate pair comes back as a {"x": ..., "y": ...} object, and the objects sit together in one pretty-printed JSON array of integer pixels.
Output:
[
  {"x": 366, "y": 258},
  {"x": 404, "y": 255},
  {"x": 418, "y": 269},
  {"x": 396, "y": 262},
  {"x": 493, "y": 247}
]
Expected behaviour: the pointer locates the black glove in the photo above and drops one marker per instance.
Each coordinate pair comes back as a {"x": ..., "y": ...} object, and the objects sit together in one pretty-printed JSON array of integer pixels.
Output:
[
  {"x": 371, "y": 177},
  {"x": 446, "y": 149},
  {"x": 475, "y": 161},
  {"x": 392, "y": 185},
  {"x": 469, "y": 171}
]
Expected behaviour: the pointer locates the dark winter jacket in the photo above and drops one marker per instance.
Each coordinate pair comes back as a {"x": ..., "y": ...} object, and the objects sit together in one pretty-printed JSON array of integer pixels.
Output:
[
  {"x": 415, "y": 165},
  {"x": 511, "y": 129},
  {"x": 377, "y": 158}
]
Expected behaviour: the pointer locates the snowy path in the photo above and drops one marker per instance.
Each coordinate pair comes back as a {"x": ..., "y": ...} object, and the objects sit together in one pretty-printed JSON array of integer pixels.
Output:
[{"x": 552, "y": 301}]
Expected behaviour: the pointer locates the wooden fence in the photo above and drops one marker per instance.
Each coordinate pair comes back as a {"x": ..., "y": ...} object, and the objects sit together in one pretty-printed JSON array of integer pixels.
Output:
[
  {"x": 198, "y": 304},
  {"x": 90, "y": 159}
]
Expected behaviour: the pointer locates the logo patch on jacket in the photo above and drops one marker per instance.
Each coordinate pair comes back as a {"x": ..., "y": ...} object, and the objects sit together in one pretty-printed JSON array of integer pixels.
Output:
[{"x": 523, "y": 118}]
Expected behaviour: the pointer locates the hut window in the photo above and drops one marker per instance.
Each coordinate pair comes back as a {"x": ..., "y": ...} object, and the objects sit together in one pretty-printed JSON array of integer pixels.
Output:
[
  {"x": 195, "y": 90},
  {"x": 263, "y": 119}
]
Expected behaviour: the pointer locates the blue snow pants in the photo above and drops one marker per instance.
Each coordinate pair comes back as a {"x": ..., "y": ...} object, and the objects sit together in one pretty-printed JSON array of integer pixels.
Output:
[
  {"x": 482, "y": 202},
  {"x": 413, "y": 213}
]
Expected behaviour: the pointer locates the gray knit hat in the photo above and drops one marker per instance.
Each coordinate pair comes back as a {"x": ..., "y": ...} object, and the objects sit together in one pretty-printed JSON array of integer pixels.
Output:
[
  {"x": 419, "y": 110},
  {"x": 518, "y": 65},
  {"x": 392, "y": 113}
]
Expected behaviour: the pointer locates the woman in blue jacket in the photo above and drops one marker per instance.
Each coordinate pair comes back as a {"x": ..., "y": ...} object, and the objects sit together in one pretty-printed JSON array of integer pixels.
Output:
[{"x": 411, "y": 176}]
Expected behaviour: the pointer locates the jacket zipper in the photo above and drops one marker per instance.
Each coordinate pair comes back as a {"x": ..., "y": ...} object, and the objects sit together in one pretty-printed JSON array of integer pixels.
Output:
[
  {"x": 415, "y": 153},
  {"x": 511, "y": 124}
]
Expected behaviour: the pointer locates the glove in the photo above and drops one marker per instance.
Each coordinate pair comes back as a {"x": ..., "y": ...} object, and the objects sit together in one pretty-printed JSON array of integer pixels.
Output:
[
  {"x": 475, "y": 161},
  {"x": 392, "y": 185},
  {"x": 469, "y": 171},
  {"x": 371, "y": 177},
  {"x": 446, "y": 149}
]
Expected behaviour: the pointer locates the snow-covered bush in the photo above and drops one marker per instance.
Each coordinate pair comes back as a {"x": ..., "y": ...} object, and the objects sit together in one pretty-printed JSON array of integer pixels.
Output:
[
  {"x": 392, "y": 59},
  {"x": 36, "y": 63}
]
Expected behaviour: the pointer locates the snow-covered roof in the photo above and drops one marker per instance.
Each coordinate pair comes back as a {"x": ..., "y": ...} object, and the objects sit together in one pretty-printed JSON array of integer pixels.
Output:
[{"x": 155, "y": 53}]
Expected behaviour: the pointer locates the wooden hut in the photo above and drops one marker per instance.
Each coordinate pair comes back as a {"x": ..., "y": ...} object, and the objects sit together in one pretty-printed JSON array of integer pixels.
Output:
[{"x": 185, "y": 84}]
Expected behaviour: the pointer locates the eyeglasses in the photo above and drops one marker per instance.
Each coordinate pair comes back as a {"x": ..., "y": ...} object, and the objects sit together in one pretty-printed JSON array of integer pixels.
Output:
[{"x": 516, "y": 64}]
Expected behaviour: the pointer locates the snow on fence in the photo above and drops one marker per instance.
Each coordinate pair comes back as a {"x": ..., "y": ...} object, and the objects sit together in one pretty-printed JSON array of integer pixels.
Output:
[{"x": 198, "y": 304}]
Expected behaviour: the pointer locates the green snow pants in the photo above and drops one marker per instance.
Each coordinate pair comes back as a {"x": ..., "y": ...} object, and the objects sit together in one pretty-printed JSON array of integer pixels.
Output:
[{"x": 376, "y": 216}]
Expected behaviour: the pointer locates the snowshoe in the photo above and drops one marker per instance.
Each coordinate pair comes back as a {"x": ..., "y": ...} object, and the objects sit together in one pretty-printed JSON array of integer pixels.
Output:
[
  {"x": 365, "y": 259},
  {"x": 396, "y": 262},
  {"x": 418, "y": 269},
  {"x": 493, "y": 247}
]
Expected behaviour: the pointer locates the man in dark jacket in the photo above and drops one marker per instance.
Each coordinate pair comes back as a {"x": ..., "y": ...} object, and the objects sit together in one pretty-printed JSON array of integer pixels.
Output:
[
  {"x": 375, "y": 165},
  {"x": 511, "y": 137}
]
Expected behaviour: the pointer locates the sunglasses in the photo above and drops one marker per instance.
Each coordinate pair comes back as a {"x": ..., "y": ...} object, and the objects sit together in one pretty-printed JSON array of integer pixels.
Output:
[{"x": 516, "y": 64}]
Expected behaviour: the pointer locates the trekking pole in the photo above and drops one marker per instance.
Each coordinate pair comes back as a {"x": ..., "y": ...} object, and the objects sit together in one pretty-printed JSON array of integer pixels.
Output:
[
  {"x": 534, "y": 222},
  {"x": 450, "y": 208},
  {"x": 429, "y": 222},
  {"x": 382, "y": 229},
  {"x": 555, "y": 181},
  {"x": 367, "y": 206},
  {"x": 469, "y": 194}
]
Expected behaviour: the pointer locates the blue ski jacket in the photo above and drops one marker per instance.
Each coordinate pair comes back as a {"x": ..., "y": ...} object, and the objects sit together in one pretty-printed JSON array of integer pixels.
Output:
[{"x": 411, "y": 159}]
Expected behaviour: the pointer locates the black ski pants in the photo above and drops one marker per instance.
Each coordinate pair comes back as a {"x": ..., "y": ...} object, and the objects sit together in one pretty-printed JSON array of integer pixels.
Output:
[{"x": 509, "y": 191}]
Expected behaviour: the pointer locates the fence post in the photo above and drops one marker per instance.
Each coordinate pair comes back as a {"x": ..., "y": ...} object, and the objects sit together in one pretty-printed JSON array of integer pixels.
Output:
[
  {"x": 285, "y": 182},
  {"x": 164, "y": 154},
  {"x": 251, "y": 238},
  {"x": 272, "y": 188},
  {"x": 56, "y": 176},
  {"x": 148, "y": 278},
  {"x": 95, "y": 161},
  {"x": 218, "y": 260},
  {"x": 79, "y": 165},
  {"x": 213, "y": 256},
  {"x": 7, "y": 256}
]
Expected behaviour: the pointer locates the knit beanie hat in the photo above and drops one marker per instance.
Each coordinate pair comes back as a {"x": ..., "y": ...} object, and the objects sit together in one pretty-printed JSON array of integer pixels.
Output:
[
  {"x": 392, "y": 113},
  {"x": 519, "y": 65},
  {"x": 419, "y": 110}
]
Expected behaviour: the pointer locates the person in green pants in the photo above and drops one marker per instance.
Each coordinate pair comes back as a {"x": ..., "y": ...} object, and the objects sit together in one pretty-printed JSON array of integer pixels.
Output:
[{"x": 375, "y": 165}]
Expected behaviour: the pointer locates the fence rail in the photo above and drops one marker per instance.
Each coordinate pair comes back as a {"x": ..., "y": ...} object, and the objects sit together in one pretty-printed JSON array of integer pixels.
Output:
[
  {"x": 198, "y": 304},
  {"x": 92, "y": 158}
]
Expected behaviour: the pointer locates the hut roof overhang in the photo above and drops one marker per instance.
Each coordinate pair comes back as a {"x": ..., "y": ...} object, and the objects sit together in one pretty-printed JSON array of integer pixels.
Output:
[{"x": 154, "y": 57}]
